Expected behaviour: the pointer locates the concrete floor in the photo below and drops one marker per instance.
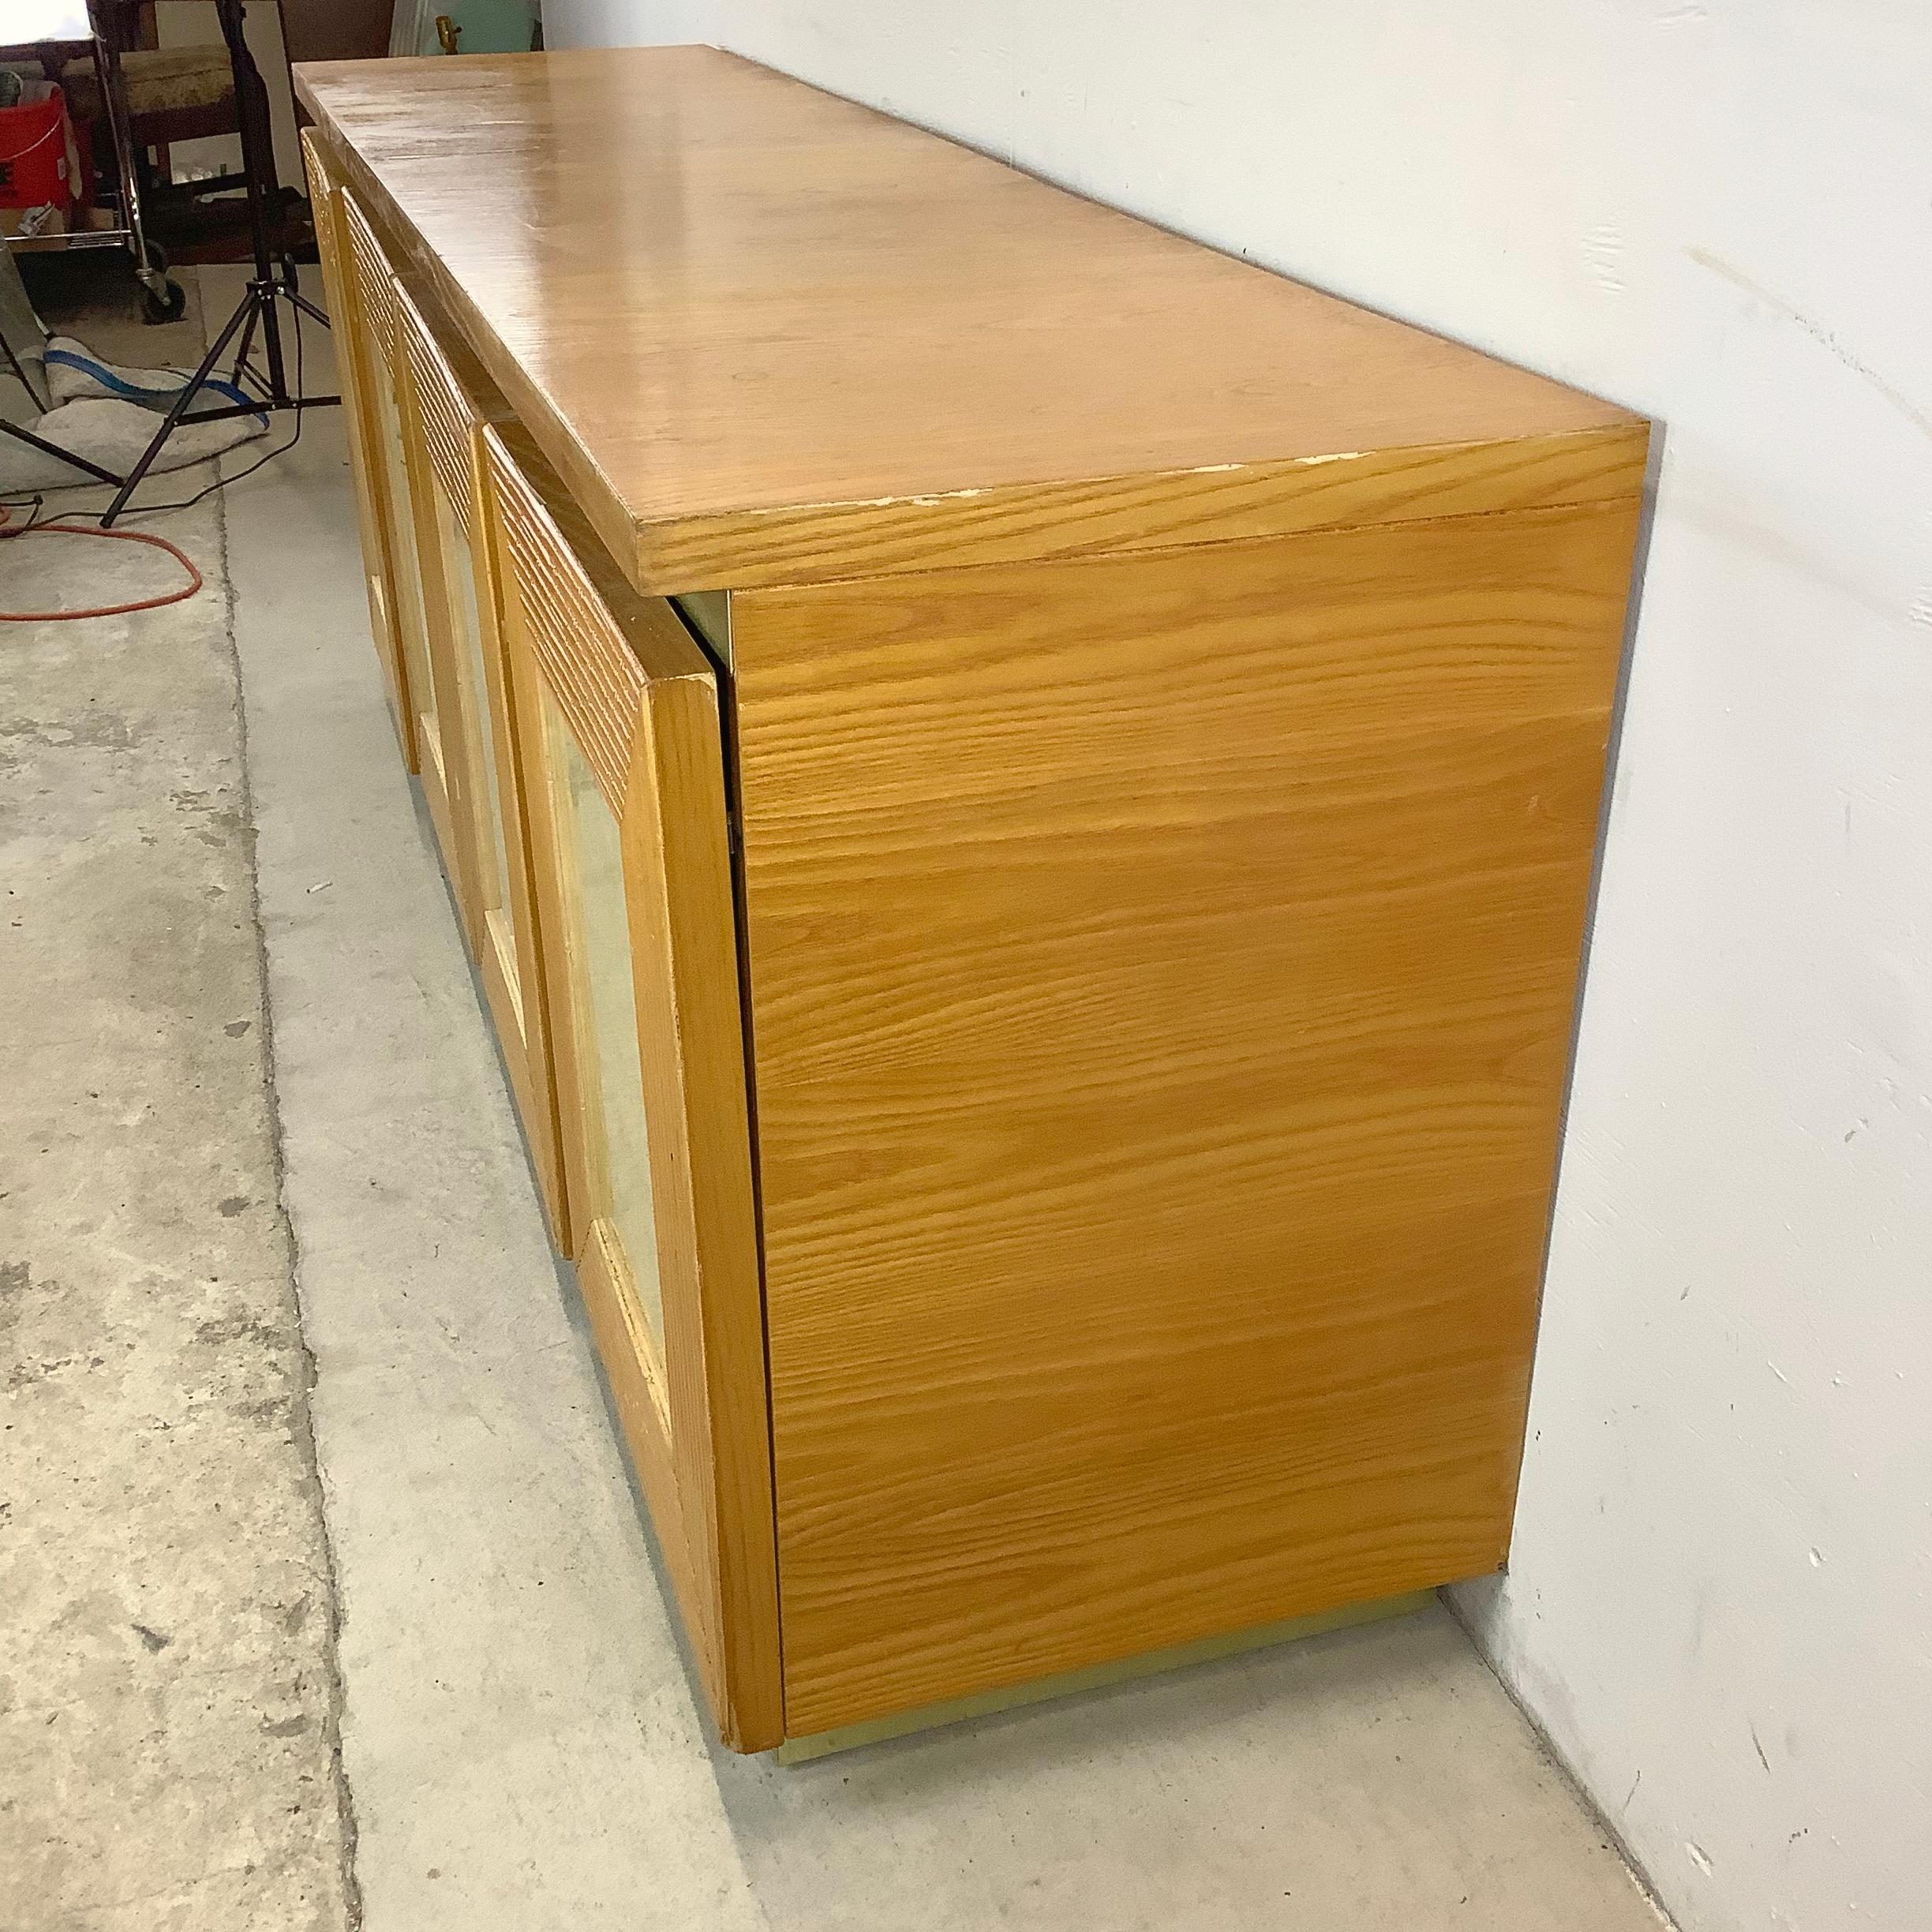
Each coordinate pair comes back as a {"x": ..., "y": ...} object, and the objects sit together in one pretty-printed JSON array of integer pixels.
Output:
[
  {"x": 519, "y": 1728},
  {"x": 167, "y": 1710}
]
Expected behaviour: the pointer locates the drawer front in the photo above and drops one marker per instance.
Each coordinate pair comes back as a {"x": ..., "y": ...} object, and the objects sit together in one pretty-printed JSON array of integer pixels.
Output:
[
  {"x": 328, "y": 203},
  {"x": 480, "y": 735},
  {"x": 322, "y": 201},
  {"x": 449, "y": 422},
  {"x": 375, "y": 281},
  {"x": 631, "y": 855},
  {"x": 592, "y": 672},
  {"x": 449, "y": 426},
  {"x": 425, "y": 621},
  {"x": 371, "y": 292}
]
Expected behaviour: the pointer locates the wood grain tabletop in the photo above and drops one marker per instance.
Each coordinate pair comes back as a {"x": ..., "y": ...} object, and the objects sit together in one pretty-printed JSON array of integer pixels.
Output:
[{"x": 770, "y": 335}]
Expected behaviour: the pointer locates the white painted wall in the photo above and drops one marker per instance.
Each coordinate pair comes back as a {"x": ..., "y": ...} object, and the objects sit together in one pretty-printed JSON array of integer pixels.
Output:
[
  {"x": 1720, "y": 1603},
  {"x": 626, "y": 23}
]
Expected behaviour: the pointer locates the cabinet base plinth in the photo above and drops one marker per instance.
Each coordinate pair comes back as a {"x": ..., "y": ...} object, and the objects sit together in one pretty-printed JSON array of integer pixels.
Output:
[{"x": 1096, "y": 1677}]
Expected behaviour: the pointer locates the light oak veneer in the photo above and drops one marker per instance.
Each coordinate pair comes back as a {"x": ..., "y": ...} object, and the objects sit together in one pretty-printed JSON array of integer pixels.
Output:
[
  {"x": 1162, "y": 973},
  {"x": 766, "y": 336}
]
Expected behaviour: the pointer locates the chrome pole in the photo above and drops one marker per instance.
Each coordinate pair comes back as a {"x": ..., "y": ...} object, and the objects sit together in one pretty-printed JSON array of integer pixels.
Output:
[{"x": 121, "y": 130}]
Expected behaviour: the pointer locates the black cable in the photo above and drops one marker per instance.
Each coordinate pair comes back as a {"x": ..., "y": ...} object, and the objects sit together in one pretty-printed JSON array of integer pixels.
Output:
[{"x": 34, "y": 505}]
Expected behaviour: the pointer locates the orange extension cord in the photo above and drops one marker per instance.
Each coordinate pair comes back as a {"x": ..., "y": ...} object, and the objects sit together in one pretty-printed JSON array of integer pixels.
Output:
[{"x": 7, "y": 531}]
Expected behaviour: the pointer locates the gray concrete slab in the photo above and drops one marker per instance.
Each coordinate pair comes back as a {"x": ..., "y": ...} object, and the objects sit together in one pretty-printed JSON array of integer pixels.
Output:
[{"x": 167, "y": 1710}]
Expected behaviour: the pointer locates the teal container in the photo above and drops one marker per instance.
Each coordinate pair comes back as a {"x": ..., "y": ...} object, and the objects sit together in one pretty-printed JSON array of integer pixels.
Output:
[{"x": 483, "y": 26}]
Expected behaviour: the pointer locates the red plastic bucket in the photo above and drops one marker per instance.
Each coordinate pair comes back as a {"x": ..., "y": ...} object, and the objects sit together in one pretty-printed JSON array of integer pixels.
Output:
[{"x": 38, "y": 162}]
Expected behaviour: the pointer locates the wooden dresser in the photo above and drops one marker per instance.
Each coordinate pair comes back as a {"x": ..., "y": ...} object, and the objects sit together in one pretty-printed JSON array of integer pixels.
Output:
[{"x": 1023, "y": 793}]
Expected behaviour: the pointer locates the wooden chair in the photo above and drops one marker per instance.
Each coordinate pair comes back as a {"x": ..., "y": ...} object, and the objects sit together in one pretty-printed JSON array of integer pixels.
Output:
[{"x": 173, "y": 94}]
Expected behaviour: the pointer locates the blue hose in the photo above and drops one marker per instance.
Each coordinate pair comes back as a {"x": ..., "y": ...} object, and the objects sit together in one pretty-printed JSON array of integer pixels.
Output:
[{"x": 155, "y": 399}]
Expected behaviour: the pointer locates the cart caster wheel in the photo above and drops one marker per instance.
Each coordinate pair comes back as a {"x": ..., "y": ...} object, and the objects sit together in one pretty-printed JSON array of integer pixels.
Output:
[{"x": 168, "y": 306}]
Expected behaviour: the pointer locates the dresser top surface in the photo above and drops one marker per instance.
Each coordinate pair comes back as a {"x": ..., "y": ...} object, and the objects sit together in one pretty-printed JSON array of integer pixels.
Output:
[{"x": 737, "y": 311}]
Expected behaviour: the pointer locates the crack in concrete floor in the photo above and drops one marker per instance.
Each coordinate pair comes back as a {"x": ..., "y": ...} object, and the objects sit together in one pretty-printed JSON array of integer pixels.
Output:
[{"x": 169, "y": 1746}]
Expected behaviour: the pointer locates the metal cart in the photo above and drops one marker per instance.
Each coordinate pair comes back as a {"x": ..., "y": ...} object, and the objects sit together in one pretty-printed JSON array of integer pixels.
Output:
[{"x": 162, "y": 298}]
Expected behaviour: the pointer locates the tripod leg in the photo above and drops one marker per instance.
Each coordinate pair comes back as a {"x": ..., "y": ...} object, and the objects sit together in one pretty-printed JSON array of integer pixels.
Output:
[
  {"x": 271, "y": 346},
  {"x": 248, "y": 342},
  {"x": 54, "y": 449},
  {"x": 303, "y": 306},
  {"x": 179, "y": 408}
]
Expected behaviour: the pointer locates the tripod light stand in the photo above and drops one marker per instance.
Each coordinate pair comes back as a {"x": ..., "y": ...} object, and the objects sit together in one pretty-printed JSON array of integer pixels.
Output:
[{"x": 272, "y": 282}]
